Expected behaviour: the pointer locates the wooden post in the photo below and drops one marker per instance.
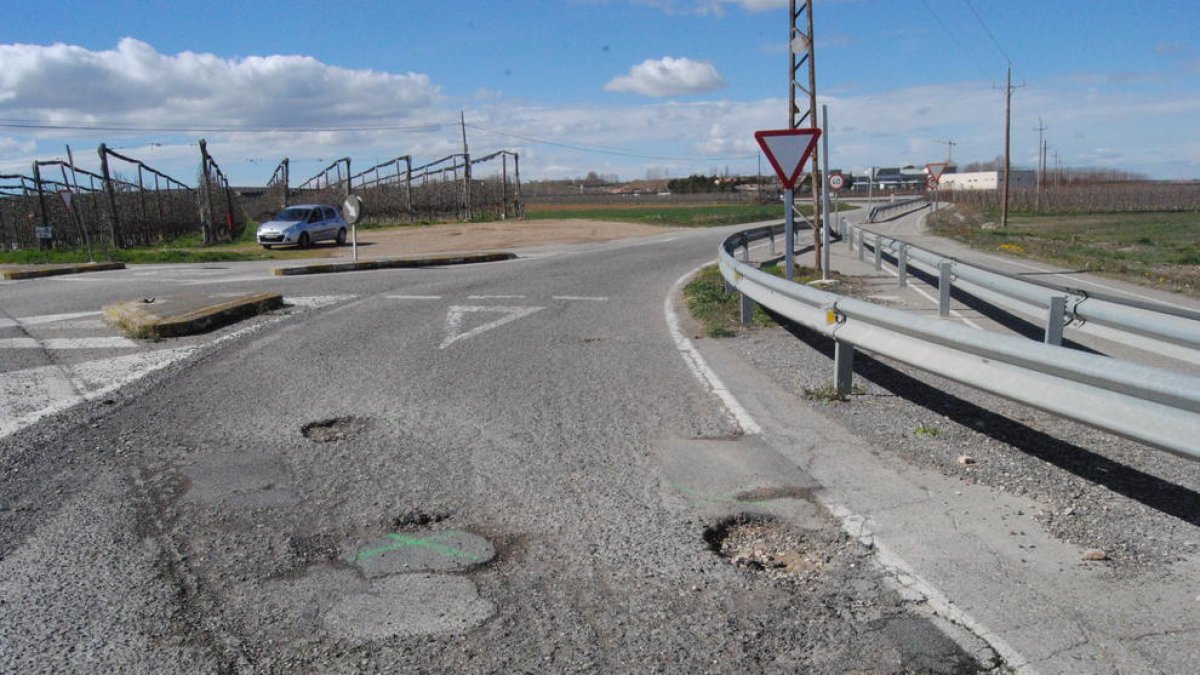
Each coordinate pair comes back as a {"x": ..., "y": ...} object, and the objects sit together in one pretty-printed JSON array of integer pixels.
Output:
[
  {"x": 43, "y": 216},
  {"x": 205, "y": 197},
  {"x": 504, "y": 184},
  {"x": 114, "y": 225},
  {"x": 518, "y": 207}
]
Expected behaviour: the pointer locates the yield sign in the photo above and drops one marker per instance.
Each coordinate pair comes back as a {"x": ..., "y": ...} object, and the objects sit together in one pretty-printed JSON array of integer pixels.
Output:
[
  {"x": 935, "y": 171},
  {"x": 788, "y": 151},
  {"x": 457, "y": 314}
]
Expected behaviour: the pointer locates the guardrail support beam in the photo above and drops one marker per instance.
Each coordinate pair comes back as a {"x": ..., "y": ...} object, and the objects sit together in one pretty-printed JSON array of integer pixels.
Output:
[
  {"x": 878, "y": 255},
  {"x": 747, "y": 309},
  {"x": 843, "y": 367},
  {"x": 1055, "y": 317},
  {"x": 944, "y": 288},
  {"x": 902, "y": 264}
]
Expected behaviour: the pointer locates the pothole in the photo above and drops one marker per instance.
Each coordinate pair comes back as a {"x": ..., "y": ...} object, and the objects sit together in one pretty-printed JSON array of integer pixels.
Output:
[
  {"x": 416, "y": 519},
  {"x": 763, "y": 544},
  {"x": 335, "y": 429}
]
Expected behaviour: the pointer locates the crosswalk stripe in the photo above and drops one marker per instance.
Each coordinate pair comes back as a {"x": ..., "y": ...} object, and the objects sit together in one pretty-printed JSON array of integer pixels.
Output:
[{"x": 67, "y": 343}]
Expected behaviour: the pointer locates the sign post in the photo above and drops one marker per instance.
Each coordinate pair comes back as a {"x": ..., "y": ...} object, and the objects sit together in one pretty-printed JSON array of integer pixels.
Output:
[
  {"x": 934, "y": 177},
  {"x": 788, "y": 151},
  {"x": 351, "y": 210}
]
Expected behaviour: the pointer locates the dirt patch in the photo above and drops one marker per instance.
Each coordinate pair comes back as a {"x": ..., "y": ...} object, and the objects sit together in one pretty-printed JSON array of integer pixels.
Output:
[
  {"x": 766, "y": 545},
  {"x": 505, "y": 234}
]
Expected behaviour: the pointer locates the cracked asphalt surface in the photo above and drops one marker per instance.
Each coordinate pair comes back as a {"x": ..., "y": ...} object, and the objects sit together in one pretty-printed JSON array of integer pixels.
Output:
[
  {"x": 189, "y": 525},
  {"x": 509, "y": 468}
]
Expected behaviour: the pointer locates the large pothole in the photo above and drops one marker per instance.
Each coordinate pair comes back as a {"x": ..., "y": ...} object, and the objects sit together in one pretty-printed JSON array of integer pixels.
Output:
[
  {"x": 335, "y": 429},
  {"x": 763, "y": 544}
]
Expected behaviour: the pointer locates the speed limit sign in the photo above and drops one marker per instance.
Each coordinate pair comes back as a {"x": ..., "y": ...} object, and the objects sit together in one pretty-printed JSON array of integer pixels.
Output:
[{"x": 836, "y": 181}]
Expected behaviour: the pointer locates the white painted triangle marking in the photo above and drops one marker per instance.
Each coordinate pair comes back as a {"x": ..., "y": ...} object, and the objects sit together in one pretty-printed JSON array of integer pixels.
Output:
[{"x": 456, "y": 314}]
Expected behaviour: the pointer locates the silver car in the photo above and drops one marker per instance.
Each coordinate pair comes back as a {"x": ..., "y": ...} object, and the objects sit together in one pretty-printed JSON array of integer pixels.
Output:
[{"x": 302, "y": 225}]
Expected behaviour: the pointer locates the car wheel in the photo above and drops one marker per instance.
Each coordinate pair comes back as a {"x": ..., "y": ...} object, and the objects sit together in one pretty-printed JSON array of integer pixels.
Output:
[
  {"x": 304, "y": 240},
  {"x": 341, "y": 237},
  {"x": 267, "y": 246}
]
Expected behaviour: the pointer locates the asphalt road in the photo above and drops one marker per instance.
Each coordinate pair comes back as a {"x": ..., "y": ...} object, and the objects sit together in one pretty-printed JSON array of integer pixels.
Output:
[{"x": 504, "y": 467}]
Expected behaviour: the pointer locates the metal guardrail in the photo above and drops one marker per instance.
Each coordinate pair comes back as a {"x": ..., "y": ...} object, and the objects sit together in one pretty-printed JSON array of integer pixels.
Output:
[
  {"x": 877, "y": 211},
  {"x": 1066, "y": 305},
  {"x": 1151, "y": 405}
]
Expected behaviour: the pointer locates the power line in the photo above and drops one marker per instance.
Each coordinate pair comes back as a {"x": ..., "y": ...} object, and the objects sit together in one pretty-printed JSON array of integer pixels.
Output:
[
  {"x": 954, "y": 38},
  {"x": 988, "y": 31},
  {"x": 605, "y": 151}
]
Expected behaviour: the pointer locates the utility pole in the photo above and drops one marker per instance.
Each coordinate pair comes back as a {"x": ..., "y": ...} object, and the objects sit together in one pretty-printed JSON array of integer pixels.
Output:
[
  {"x": 462, "y": 117},
  {"x": 1041, "y": 173},
  {"x": 800, "y": 47},
  {"x": 1008, "y": 92}
]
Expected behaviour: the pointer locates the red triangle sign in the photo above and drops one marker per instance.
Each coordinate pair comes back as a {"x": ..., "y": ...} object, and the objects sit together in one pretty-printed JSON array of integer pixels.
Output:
[
  {"x": 788, "y": 151},
  {"x": 936, "y": 169}
]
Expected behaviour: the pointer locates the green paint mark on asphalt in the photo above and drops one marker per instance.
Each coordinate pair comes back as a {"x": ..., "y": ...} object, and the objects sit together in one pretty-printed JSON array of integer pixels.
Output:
[{"x": 405, "y": 541}]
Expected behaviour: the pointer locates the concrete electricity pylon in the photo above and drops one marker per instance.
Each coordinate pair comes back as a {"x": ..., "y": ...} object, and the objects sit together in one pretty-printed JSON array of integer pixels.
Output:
[{"x": 802, "y": 108}]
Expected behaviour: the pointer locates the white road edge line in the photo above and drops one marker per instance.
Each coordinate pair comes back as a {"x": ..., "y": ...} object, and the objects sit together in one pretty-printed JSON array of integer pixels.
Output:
[
  {"x": 413, "y": 297},
  {"x": 699, "y": 367},
  {"x": 580, "y": 298},
  {"x": 495, "y": 297},
  {"x": 907, "y": 579},
  {"x": 894, "y": 567}
]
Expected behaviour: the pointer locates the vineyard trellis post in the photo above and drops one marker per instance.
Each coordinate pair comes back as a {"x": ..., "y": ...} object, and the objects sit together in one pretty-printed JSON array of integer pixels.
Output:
[
  {"x": 43, "y": 214},
  {"x": 114, "y": 225},
  {"x": 206, "y": 197},
  {"x": 519, "y": 207},
  {"x": 504, "y": 185}
]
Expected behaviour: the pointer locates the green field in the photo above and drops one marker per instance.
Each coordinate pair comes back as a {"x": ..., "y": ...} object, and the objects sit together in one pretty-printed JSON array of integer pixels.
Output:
[
  {"x": 669, "y": 215},
  {"x": 1155, "y": 249}
]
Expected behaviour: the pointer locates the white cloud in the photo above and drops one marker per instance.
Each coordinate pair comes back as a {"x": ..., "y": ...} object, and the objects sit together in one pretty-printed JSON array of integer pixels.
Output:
[
  {"x": 668, "y": 77},
  {"x": 12, "y": 146},
  {"x": 136, "y": 85},
  {"x": 712, "y": 7}
]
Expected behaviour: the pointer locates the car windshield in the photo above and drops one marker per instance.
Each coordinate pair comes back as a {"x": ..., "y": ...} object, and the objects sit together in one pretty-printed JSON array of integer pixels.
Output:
[{"x": 293, "y": 214}]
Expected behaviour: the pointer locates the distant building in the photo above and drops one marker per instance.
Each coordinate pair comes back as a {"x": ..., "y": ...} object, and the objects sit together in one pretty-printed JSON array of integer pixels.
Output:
[
  {"x": 986, "y": 180},
  {"x": 897, "y": 178}
]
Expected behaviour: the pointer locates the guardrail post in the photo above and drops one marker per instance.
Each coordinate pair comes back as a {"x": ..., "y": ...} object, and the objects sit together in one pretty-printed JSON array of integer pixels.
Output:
[
  {"x": 878, "y": 255},
  {"x": 772, "y": 243},
  {"x": 849, "y": 235},
  {"x": 843, "y": 367},
  {"x": 862, "y": 245},
  {"x": 944, "y": 287},
  {"x": 902, "y": 264},
  {"x": 1055, "y": 317},
  {"x": 745, "y": 251},
  {"x": 747, "y": 309}
]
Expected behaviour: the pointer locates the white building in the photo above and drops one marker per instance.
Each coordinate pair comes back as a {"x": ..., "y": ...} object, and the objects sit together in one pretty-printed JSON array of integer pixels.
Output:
[{"x": 987, "y": 180}]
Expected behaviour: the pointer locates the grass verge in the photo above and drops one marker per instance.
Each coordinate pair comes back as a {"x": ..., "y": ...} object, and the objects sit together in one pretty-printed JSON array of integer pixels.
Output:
[
  {"x": 711, "y": 215},
  {"x": 1153, "y": 249},
  {"x": 719, "y": 312}
]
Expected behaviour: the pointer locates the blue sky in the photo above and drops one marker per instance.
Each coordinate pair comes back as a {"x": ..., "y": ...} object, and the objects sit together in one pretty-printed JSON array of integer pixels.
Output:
[{"x": 626, "y": 87}]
